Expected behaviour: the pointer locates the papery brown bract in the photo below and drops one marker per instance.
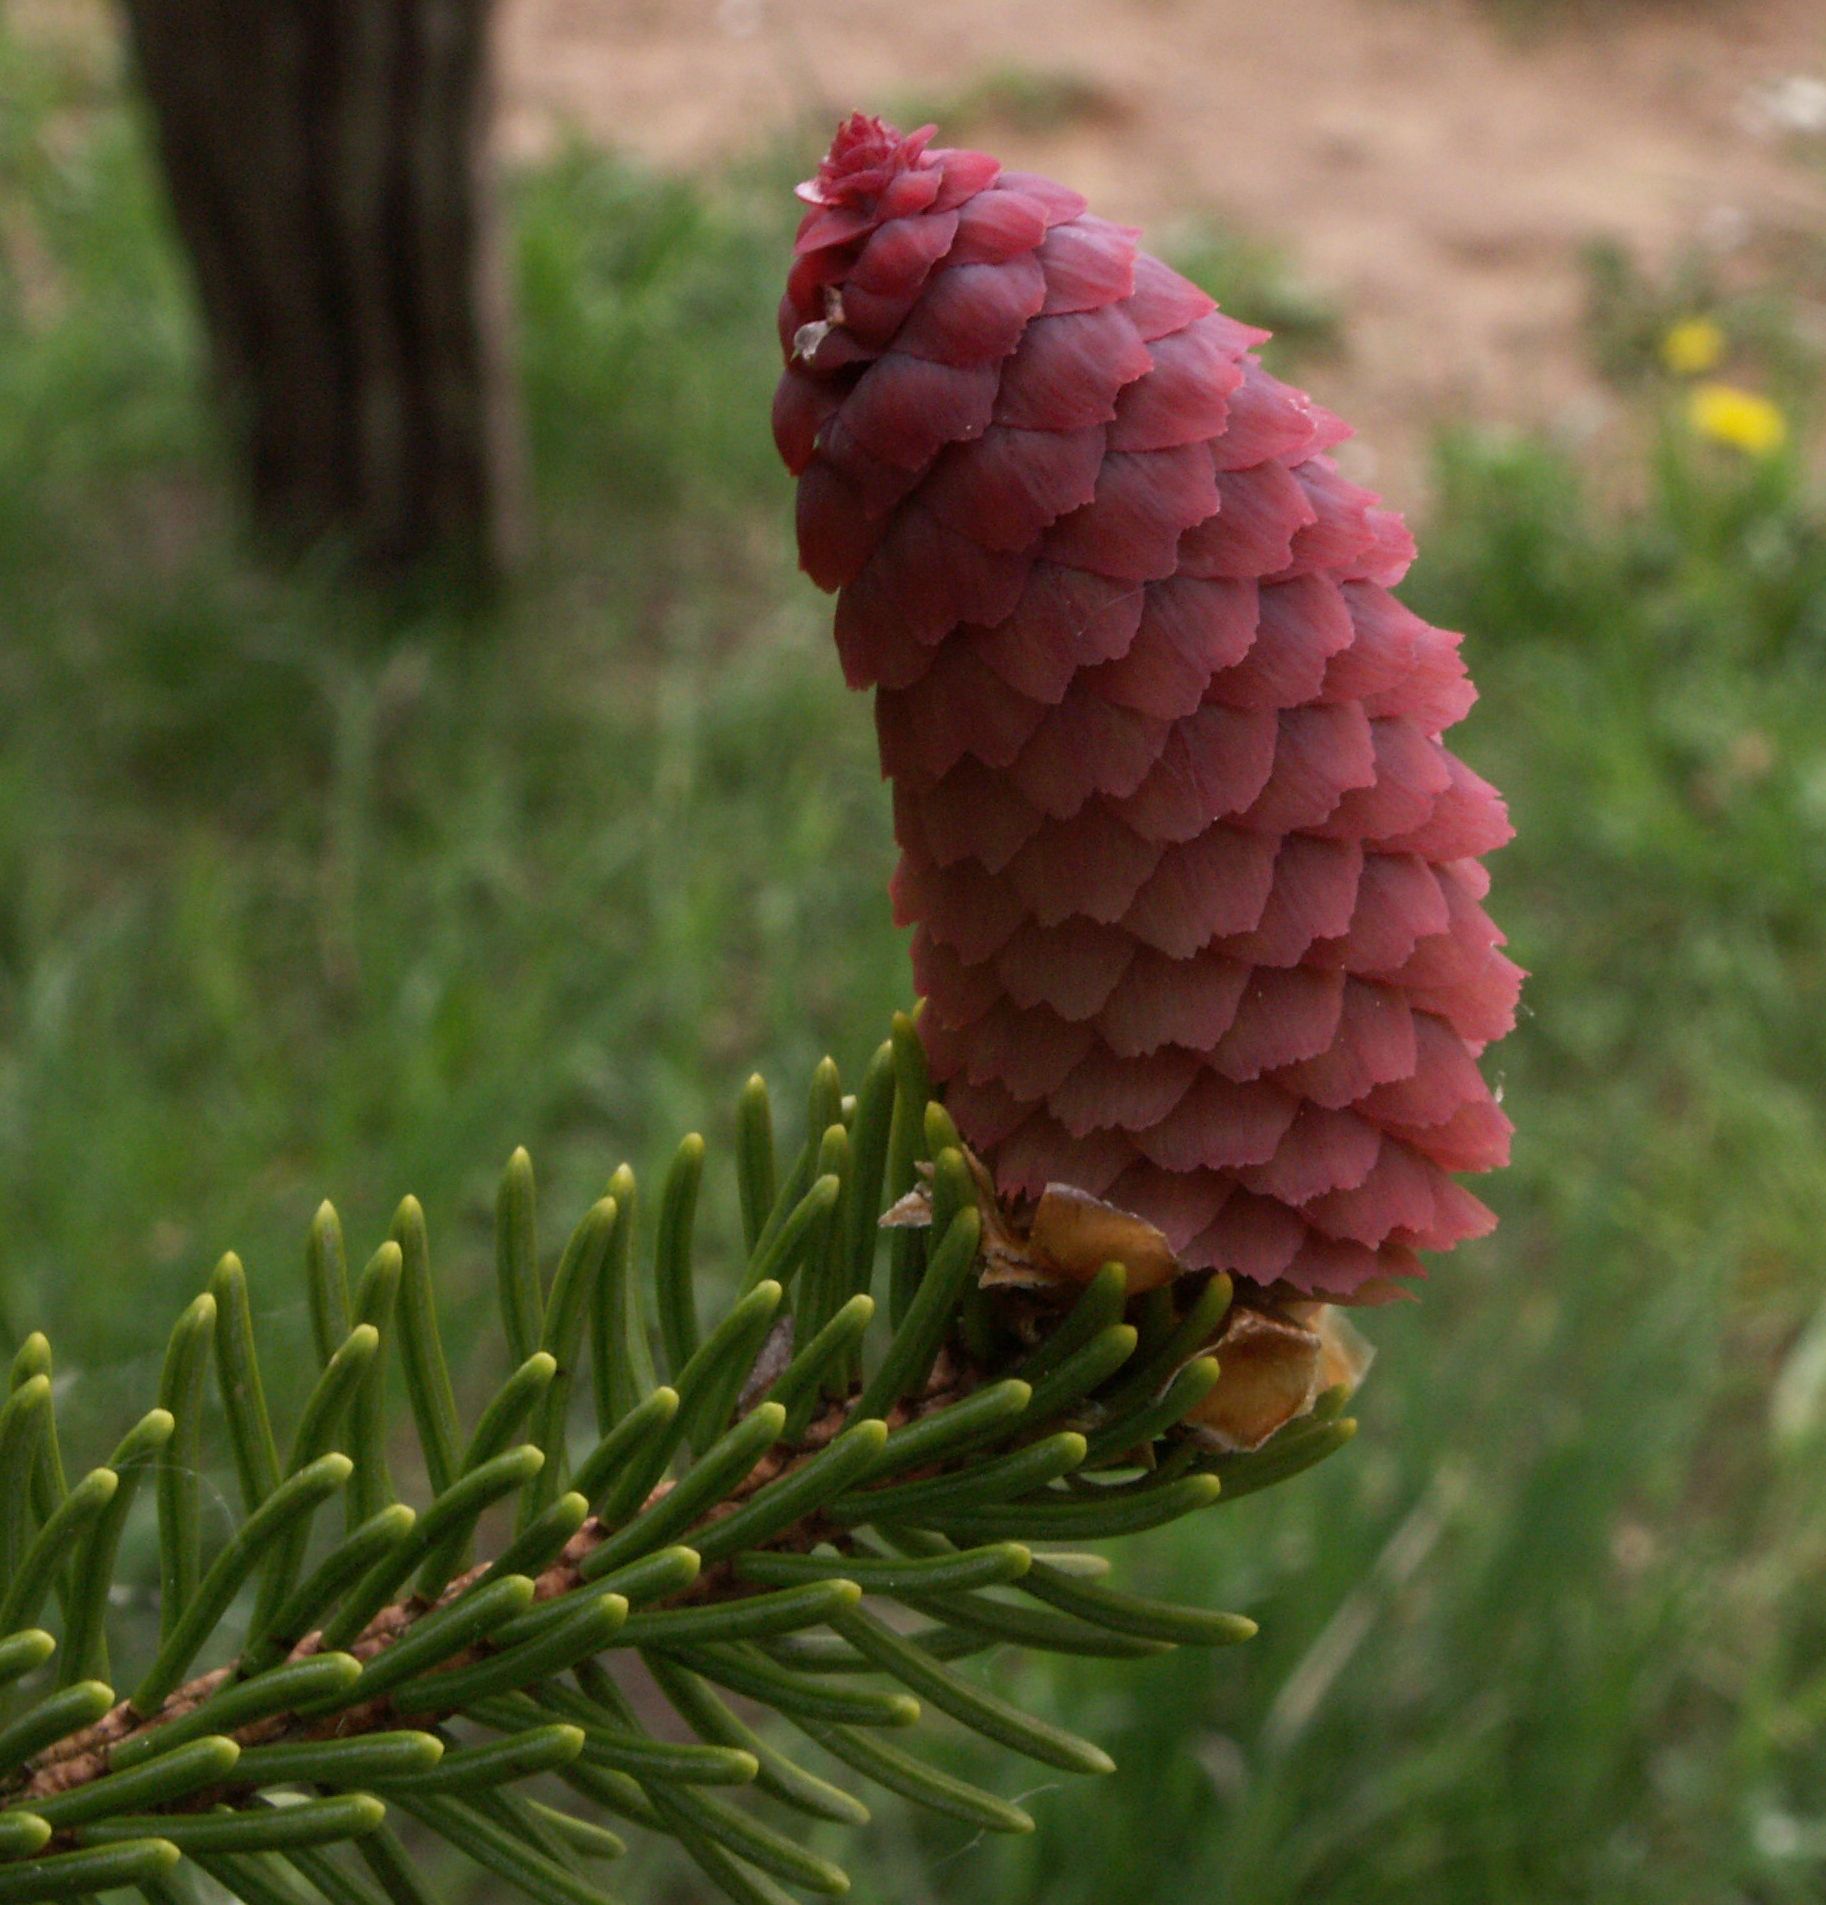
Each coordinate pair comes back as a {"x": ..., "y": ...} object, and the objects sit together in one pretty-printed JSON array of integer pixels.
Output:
[{"x": 1194, "y": 881}]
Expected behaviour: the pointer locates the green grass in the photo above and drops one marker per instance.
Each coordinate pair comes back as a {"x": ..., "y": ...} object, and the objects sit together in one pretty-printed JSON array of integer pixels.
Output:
[
  {"x": 1763, "y": 301},
  {"x": 1530, "y": 19},
  {"x": 284, "y": 883},
  {"x": 295, "y": 900}
]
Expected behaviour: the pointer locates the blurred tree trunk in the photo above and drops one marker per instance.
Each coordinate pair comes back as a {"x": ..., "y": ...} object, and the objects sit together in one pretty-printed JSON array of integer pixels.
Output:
[{"x": 327, "y": 165}]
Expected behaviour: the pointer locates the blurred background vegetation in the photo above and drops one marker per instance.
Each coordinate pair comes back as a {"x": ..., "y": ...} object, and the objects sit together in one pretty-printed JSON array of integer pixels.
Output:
[{"x": 308, "y": 890}]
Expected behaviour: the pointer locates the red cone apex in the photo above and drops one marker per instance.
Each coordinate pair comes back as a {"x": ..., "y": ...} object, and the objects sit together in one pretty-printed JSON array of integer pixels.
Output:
[
  {"x": 864, "y": 159},
  {"x": 1194, "y": 881}
]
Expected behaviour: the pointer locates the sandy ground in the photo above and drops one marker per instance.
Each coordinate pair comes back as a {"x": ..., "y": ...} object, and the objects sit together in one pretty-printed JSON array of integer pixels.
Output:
[{"x": 1437, "y": 175}]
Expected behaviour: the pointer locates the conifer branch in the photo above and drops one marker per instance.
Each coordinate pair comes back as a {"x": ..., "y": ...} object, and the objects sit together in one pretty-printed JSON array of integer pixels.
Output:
[
  {"x": 731, "y": 1527},
  {"x": 88, "y": 1753}
]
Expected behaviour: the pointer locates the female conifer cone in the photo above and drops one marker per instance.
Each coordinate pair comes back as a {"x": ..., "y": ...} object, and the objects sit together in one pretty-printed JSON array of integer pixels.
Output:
[{"x": 1194, "y": 881}]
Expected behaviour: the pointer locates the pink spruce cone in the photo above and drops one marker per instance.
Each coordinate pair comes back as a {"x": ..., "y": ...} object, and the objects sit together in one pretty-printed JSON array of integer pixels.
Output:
[{"x": 1194, "y": 881}]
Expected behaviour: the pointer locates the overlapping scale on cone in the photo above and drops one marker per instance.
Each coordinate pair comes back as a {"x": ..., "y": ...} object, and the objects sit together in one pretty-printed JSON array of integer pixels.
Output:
[{"x": 1195, "y": 883}]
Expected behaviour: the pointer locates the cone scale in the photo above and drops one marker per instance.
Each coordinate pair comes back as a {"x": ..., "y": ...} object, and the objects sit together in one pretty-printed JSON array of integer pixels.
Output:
[{"x": 1194, "y": 882}]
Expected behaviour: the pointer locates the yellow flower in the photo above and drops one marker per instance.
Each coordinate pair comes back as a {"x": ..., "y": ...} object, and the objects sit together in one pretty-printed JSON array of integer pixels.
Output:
[
  {"x": 1727, "y": 414},
  {"x": 1692, "y": 347}
]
